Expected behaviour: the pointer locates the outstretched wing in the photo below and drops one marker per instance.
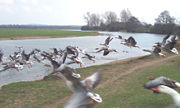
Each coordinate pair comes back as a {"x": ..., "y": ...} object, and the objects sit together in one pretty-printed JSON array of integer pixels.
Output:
[{"x": 92, "y": 81}]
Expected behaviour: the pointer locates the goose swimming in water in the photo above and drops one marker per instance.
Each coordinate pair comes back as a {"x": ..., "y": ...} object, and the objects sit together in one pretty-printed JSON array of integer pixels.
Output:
[
  {"x": 82, "y": 89},
  {"x": 173, "y": 93}
]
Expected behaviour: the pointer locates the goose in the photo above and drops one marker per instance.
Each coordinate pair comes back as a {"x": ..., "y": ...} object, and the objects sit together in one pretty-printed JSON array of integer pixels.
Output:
[
  {"x": 156, "y": 51},
  {"x": 106, "y": 50},
  {"x": 54, "y": 63},
  {"x": 82, "y": 90},
  {"x": 70, "y": 50},
  {"x": 55, "y": 52},
  {"x": 86, "y": 55},
  {"x": 161, "y": 81},
  {"x": 1, "y": 56},
  {"x": 173, "y": 93},
  {"x": 40, "y": 61},
  {"x": 75, "y": 60},
  {"x": 119, "y": 37},
  {"x": 130, "y": 42},
  {"x": 107, "y": 41},
  {"x": 168, "y": 44},
  {"x": 11, "y": 64},
  {"x": 26, "y": 57}
]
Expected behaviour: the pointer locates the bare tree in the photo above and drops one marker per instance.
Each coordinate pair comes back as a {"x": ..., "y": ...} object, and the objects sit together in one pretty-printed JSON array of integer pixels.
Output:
[
  {"x": 92, "y": 19},
  {"x": 95, "y": 20},
  {"x": 125, "y": 15},
  {"x": 110, "y": 17},
  {"x": 165, "y": 18},
  {"x": 87, "y": 18}
]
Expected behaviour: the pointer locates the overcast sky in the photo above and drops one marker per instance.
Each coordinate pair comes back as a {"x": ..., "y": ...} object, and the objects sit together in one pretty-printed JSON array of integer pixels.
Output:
[{"x": 70, "y": 12}]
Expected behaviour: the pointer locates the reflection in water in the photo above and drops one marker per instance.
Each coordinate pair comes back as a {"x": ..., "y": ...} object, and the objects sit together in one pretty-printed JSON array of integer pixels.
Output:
[{"x": 89, "y": 43}]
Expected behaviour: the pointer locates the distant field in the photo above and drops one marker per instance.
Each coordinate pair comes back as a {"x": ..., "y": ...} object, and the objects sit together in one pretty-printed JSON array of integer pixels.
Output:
[{"x": 10, "y": 33}]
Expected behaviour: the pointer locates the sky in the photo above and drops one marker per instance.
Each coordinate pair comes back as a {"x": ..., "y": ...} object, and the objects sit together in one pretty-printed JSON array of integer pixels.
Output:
[{"x": 70, "y": 12}]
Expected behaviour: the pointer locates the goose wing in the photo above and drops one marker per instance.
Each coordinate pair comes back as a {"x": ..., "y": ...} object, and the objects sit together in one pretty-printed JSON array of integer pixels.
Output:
[
  {"x": 164, "y": 39},
  {"x": 92, "y": 81},
  {"x": 106, "y": 52},
  {"x": 160, "y": 81},
  {"x": 132, "y": 41}
]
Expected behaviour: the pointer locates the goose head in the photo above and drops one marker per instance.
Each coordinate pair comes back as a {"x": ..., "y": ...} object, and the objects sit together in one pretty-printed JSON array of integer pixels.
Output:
[
  {"x": 167, "y": 90},
  {"x": 94, "y": 97}
]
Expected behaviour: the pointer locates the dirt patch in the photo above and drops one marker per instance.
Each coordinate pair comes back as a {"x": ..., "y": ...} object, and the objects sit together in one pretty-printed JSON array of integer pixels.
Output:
[{"x": 138, "y": 65}]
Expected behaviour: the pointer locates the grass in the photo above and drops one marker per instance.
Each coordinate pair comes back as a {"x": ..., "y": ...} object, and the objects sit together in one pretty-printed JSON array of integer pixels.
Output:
[{"x": 10, "y": 33}]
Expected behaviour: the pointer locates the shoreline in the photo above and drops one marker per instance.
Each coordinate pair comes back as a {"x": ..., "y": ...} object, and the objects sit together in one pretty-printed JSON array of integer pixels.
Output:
[{"x": 41, "y": 37}]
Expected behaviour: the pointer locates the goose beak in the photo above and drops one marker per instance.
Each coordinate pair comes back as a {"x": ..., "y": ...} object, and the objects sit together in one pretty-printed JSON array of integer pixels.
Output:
[
  {"x": 54, "y": 74},
  {"x": 149, "y": 78},
  {"x": 155, "y": 89},
  {"x": 177, "y": 85}
]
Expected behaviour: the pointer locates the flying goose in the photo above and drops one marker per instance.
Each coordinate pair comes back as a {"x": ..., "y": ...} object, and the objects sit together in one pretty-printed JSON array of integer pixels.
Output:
[
  {"x": 11, "y": 64},
  {"x": 1, "y": 56},
  {"x": 168, "y": 44},
  {"x": 86, "y": 55},
  {"x": 70, "y": 50},
  {"x": 130, "y": 42},
  {"x": 82, "y": 89},
  {"x": 107, "y": 41},
  {"x": 26, "y": 57},
  {"x": 106, "y": 50},
  {"x": 156, "y": 51},
  {"x": 119, "y": 37}
]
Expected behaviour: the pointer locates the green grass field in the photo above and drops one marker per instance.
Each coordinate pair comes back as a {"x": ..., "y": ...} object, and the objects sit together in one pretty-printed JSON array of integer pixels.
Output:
[{"x": 9, "y": 33}]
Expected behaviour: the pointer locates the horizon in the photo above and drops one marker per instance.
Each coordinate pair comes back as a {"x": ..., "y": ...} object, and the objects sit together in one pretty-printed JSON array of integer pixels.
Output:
[{"x": 69, "y": 12}]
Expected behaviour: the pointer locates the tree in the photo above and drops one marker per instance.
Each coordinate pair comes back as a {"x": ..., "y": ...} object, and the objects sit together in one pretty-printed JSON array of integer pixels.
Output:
[
  {"x": 87, "y": 18},
  {"x": 110, "y": 17},
  {"x": 125, "y": 15},
  {"x": 133, "y": 24},
  {"x": 165, "y": 18},
  {"x": 92, "y": 19}
]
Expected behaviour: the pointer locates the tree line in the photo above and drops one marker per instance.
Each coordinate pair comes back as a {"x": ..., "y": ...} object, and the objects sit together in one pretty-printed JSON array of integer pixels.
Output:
[{"x": 109, "y": 21}]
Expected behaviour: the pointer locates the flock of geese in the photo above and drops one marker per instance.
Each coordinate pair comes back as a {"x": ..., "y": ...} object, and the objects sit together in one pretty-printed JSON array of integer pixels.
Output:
[{"x": 83, "y": 90}]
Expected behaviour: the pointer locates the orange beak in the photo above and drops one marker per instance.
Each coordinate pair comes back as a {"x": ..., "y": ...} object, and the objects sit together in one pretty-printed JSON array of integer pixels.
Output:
[
  {"x": 178, "y": 87},
  {"x": 155, "y": 89},
  {"x": 149, "y": 78},
  {"x": 54, "y": 74}
]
